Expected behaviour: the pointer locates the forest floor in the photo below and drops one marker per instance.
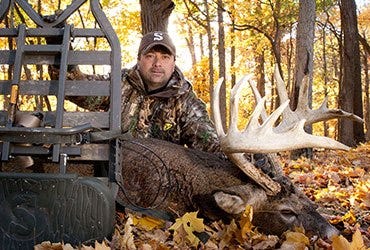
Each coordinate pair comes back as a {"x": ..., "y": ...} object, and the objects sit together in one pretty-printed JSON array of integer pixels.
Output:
[{"x": 339, "y": 182}]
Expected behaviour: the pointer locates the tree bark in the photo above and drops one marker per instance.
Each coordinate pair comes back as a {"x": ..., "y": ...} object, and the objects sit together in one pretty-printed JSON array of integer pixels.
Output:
[
  {"x": 155, "y": 15},
  {"x": 190, "y": 44},
  {"x": 222, "y": 60},
  {"x": 366, "y": 55},
  {"x": 210, "y": 51},
  {"x": 350, "y": 90},
  {"x": 232, "y": 47},
  {"x": 260, "y": 72},
  {"x": 304, "y": 60},
  {"x": 325, "y": 73},
  {"x": 290, "y": 63}
]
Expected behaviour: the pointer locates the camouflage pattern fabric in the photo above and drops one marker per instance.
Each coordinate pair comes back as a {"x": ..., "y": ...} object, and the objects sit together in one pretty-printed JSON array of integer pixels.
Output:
[{"x": 173, "y": 113}]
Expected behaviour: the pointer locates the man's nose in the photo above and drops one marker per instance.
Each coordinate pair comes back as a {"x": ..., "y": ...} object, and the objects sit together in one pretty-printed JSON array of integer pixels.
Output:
[{"x": 157, "y": 61}]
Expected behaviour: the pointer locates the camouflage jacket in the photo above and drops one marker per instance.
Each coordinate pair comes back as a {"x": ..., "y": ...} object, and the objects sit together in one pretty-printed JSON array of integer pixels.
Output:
[{"x": 173, "y": 113}]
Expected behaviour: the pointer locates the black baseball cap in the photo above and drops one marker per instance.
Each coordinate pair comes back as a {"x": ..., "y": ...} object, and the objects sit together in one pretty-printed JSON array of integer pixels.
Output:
[{"x": 154, "y": 38}]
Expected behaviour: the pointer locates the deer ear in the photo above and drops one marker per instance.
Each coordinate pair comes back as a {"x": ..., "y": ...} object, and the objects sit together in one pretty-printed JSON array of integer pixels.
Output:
[{"x": 230, "y": 203}]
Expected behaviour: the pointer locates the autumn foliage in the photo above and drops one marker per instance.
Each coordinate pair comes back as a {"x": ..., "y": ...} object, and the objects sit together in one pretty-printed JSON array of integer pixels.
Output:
[{"x": 337, "y": 181}]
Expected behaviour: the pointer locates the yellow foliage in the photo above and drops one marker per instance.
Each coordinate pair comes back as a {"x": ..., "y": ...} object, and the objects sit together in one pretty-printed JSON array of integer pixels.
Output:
[
  {"x": 185, "y": 227},
  {"x": 341, "y": 243},
  {"x": 349, "y": 217},
  {"x": 246, "y": 221},
  {"x": 199, "y": 77},
  {"x": 147, "y": 223},
  {"x": 364, "y": 18},
  {"x": 295, "y": 240}
]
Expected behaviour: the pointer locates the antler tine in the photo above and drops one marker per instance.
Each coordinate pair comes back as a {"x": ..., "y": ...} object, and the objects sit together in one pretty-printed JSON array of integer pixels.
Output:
[
  {"x": 254, "y": 119},
  {"x": 323, "y": 113},
  {"x": 271, "y": 187},
  {"x": 216, "y": 108},
  {"x": 283, "y": 97},
  {"x": 258, "y": 97},
  {"x": 271, "y": 120},
  {"x": 280, "y": 86},
  {"x": 234, "y": 104},
  {"x": 303, "y": 111}
]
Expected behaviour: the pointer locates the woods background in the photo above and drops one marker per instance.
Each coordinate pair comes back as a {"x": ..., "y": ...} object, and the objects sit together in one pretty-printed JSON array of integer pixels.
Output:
[{"x": 326, "y": 40}]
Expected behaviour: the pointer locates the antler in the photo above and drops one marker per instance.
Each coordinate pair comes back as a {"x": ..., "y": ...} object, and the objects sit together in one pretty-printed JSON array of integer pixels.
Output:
[
  {"x": 323, "y": 113},
  {"x": 265, "y": 137},
  {"x": 270, "y": 186},
  {"x": 289, "y": 134}
]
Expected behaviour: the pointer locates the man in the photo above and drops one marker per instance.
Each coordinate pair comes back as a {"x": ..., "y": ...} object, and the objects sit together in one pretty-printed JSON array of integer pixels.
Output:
[{"x": 157, "y": 101}]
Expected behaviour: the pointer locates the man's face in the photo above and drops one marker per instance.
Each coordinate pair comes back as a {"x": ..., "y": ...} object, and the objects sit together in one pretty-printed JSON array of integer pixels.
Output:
[{"x": 156, "y": 67}]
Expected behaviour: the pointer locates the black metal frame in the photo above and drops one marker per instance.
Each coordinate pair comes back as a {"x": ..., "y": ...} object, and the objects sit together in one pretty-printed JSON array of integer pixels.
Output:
[{"x": 64, "y": 130}]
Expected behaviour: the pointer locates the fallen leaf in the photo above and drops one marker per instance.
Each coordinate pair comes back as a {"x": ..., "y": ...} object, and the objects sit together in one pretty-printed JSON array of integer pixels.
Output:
[
  {"x": 297, "y": 237},
  {"x": 268, "y": 243},
  {"x": 228, "y": 234},
  {"x": 357, "y": 241},
  {"x": 127, "y": 240},
  {"x": 246, "y": 222},
  {"x": 340, "y": 243},
  {"x": 47, "y": 245},
  {"x": 101, "y": 246},
  {"x": 190, "y": 223},
  {"x": 147, "y": 223}
]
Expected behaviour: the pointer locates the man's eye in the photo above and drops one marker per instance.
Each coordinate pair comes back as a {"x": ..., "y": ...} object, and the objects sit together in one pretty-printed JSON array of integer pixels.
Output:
[{"x": 149, "y": 56}]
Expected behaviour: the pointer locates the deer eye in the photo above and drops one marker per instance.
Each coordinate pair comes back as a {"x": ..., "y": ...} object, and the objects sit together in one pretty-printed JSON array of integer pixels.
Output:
[
  {"x": 288, "y": 215},
  {"x": 287, "y": 211}
]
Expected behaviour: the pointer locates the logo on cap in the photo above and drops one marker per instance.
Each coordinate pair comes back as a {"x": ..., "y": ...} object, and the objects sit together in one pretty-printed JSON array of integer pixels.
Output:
[{"x": 158, "y": 36}]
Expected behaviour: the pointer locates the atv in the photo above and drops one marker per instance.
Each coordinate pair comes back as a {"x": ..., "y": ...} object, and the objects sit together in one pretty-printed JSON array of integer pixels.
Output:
[{"x": 59, "y": 206}]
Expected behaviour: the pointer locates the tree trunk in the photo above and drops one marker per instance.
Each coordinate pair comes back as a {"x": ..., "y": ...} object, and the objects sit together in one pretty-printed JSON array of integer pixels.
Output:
[
  {"x": 222, "y": 60},
  {"x": 190, "y": 43},
  {"x": 290, "y": 52},
  {"x": 367, "y": 94},
  {"x": 210, "y": 52},
  {"x": 233, "y": 48},
  {"x": 202, "y": 53},
  {"x": 350, "y": 93},
  {"x": 260, "y": 72},
  {"x": 276, "y": 45},
  {"x": 304, "y": 59},
  {"x": 155, "y": 15},
  {"x": 325, "y": 73}
]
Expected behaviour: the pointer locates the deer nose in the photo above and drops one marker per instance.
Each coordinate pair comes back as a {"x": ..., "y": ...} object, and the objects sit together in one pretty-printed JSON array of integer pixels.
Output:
[{"x": 329, "y": 232}]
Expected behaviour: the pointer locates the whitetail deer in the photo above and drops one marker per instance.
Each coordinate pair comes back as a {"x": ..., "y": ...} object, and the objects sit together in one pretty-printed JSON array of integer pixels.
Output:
[
  {"x": 161, "y": 175},
  {"x": 170, "y": 178}
]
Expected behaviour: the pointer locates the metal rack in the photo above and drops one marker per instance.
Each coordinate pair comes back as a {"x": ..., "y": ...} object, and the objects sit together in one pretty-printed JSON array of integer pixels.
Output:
[{"x": 62, "y": 131}]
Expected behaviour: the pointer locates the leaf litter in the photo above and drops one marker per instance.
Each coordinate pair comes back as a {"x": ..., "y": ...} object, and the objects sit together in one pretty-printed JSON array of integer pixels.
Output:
[{"x": 338, "y": 181}]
